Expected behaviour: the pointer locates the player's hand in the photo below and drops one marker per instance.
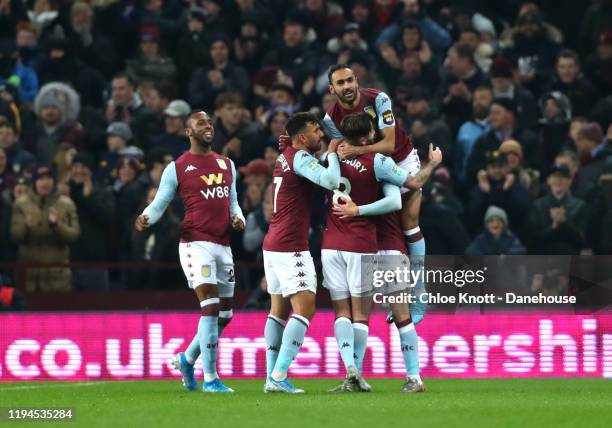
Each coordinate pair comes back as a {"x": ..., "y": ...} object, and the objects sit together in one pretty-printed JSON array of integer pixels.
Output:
[
  {"x": 237, "y": 223},
  {"x": 347, "y": 209},
  {"x": 284, "y": 141},
  {"x": 348, "y": 152},
  {"x": 435, "y": 155},
  {"x": 333, "y": 145},
  {"x": 142, "y": 222}
]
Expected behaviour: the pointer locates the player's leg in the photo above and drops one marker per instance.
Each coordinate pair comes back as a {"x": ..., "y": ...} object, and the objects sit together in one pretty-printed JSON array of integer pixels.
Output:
[
  {"x": 226, "y": 314},
  {"x": 192, "y": 260},
  {"x": 409, "y": 345},
  {"x": 343, "y": 331},
  {"x": 208, "y": 332},
  {"x": 411, "y": 207},
  {"x": 335, "y": 280},
  {"x": 274, "y": 329},
  {"x": 298, "y": 281},
  {"x": 279, "y": 312},
  {"x": 416, "y": 245}
]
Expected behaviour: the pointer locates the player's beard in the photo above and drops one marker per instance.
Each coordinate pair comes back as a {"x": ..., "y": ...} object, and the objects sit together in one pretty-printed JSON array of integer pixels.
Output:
[{"x": 344, "y": 96}]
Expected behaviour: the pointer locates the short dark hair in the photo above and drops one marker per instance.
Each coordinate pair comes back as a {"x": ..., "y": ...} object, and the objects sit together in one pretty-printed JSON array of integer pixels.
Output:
[
  {"x": 298, "y": 122},
  {"x": 465, "y": 52},
  {"x": 335, "y": 68},
  {"x": 355, "y": 126},
  {"x": 187, "y": 122},
  {"x": 124, "y": 75},
  {"x": 483, "y": 87},
  {"x": 569, "y": 53},
  {"x": 166, "y": 89},
  {"x": 225, "y": 98}
]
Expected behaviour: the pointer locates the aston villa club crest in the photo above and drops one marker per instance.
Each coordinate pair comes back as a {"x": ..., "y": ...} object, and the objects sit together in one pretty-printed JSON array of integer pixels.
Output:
[
  {"x": 221, "y": 163},
  {"x": 370, "y": 110}
]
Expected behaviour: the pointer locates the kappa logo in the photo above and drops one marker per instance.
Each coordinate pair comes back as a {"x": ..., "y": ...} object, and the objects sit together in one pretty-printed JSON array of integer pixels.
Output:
[
  {"x": 190, "y": 168},
  {"x": 297, "y": 254},
  {"x": 299, "y": 264},
  {"x": 371, "y": 111},
  {"x": 301, "y": 274},
  {"x": 345, "y": 345},
  {"x": 273, "y": 348},
  {"x": 213, "y": 178},
  {"x": 302, "y": 284}
]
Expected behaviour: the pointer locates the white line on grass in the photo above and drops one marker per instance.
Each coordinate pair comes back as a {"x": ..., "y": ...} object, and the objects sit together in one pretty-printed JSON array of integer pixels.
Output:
[{"x": 57, "y": 385}]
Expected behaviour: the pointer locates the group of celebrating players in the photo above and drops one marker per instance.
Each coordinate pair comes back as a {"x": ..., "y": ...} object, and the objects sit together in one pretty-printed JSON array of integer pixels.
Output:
[{"x": 373, "y": 208}]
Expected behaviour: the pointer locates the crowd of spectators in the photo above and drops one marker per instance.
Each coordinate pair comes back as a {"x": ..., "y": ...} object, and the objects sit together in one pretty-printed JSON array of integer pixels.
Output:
[{"x": 93, "y": 95}]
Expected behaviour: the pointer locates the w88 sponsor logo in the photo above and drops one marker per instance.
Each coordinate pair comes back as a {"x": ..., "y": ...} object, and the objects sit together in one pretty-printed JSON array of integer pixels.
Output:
[{"x": 216, "y": 192}]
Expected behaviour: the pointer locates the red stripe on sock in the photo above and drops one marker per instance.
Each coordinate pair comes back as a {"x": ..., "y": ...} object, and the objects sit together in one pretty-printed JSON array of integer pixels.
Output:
[
  {"x": 403, "y": 323},
  {"x": 415, "y": 237}
]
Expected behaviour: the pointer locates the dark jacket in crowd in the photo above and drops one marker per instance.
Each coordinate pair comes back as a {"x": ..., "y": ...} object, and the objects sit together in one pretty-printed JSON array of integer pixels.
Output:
[
  {"x": 96, "y": 216},
  {"x": 486, "y": 244},
  {"x": 567, "y": 238},
  {"x": 515, "y": 201}
]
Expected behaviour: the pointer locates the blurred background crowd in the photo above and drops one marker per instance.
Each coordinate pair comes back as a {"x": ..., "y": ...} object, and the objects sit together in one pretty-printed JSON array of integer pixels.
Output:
[{"x": 93, "y": 95}]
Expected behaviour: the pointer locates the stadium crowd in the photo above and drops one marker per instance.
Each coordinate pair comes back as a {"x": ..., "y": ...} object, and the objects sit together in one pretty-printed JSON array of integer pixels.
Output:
[{"x": 93, "y": 95}]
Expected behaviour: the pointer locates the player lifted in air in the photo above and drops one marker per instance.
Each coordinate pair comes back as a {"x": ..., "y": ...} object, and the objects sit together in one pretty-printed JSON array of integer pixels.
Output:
[
  {"x": 288, "y": 265},
  {"x": 348, "y": 238},
  {"x": 206, "y": 182},
  {"x": 391, "y": 140}
]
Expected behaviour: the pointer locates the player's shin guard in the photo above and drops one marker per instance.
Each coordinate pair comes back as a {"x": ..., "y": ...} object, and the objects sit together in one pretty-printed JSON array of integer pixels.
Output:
[
  {"x": 343, "y": 330},
  {"x": 409, "y": 343},
  {"x": 273, "y": 333},
  {"x": 360, "y": 331},
  {"x": 208, "y": 332},
  {"x": 416, "y": 246},
  {"x": 193, "y": 350},
  {"x": 293, "y": 336}
]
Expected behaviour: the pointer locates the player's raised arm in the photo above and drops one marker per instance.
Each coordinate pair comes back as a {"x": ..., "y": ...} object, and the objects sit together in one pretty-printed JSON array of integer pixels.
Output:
[
  {"x": 307, "y": 166},
  {"x": 392, "y": 201},
  {"x": 388, "y": 171},
  {"x": 165, "y": 193},
  {"x": 237, "y": 218}
]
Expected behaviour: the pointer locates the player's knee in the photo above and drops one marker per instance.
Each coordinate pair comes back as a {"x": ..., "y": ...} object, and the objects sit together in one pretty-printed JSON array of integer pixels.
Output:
[
  {"x": 210, "y": 307},
  {"x": 401, "y": 319}
]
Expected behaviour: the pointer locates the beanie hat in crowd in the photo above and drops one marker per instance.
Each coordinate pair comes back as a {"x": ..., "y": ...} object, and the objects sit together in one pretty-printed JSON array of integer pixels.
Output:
[
  {"x": 496, "y": 212},
  {"x": 511, "y": 146}
]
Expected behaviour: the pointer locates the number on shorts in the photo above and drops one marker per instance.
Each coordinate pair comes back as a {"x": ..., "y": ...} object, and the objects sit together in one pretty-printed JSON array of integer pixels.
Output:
[
  {"x": 277, "y": 184},
  {"x": 343, "y": 191}
]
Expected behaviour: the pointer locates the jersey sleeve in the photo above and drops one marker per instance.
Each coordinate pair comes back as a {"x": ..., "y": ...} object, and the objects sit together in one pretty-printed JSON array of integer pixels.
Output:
[
  {"x": 165, "y": 193},
  {"x": 330, "y": 127},
  {"x": 388, "y": 171},
  {"x": 384, "y": 111},
  {"x": 307, "y": 166},
  {"x": 392, "y": 201},
  {"x": 234, "y": 205}
]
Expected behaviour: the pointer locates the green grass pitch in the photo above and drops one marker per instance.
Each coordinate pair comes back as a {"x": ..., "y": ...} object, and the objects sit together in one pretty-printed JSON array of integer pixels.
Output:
[{"x": 447, "y": 403}]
